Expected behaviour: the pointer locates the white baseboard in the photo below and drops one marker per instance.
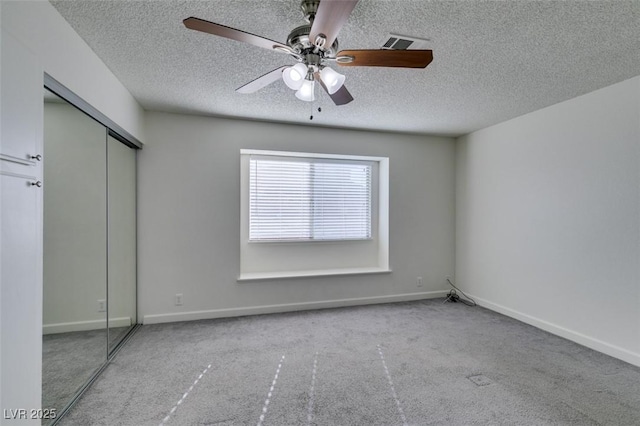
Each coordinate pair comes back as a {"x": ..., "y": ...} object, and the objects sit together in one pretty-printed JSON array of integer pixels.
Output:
[
  {"x": 288, "y": 307},
  {"x": 66, "y": 327},
  {"x": 584, "y": 340}
]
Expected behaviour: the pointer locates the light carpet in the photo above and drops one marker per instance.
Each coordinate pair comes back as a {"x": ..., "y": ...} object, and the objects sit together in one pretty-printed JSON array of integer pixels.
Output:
[{"x": 414, "y": 363}]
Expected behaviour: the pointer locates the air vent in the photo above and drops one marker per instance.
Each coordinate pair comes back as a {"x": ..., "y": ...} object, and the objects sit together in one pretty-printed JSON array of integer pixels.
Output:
[
  {"x": 400, "y": 42},
  {"x": 390, "y": 43},
  {"x": 480, "y": 380}
]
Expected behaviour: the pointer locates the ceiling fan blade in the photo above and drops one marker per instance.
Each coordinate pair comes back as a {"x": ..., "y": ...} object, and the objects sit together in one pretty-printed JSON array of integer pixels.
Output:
[
  {"x": 262, "y": 81},
  {"x": 386, "y": 58},
  {"x": 329, "y": 19},
  {"x": 341, "y": 97},
  {"x": 232, "y": 33}
]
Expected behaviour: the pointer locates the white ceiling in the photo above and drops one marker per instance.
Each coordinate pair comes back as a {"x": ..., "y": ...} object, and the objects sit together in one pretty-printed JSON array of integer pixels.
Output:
[{"x": 493, "y": 60}]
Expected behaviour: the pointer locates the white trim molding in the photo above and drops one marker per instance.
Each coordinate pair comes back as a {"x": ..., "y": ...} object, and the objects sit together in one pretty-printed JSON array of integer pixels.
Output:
[
  {"x": 288, "y": 307},
  {"x": 66, "y": 327},
  {"x": 584, "y": 340},
  {"x": 258, "y": 276}
]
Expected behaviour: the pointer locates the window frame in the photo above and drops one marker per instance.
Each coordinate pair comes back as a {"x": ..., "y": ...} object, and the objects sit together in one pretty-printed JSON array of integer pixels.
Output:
[{"x": 289, "y": 259}]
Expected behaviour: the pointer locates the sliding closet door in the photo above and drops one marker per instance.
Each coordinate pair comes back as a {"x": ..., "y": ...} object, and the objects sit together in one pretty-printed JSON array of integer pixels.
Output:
[
  {"x": 121, "y": 172},
  {"x": 75, "y": 251}
]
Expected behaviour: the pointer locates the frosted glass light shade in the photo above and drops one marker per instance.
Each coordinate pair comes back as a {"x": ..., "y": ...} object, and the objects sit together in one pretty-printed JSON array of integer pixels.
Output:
[
  {"x": 306, "y": 92},
  {"x": 332, "y": 80},
  {"x": 294, "y": 76}
]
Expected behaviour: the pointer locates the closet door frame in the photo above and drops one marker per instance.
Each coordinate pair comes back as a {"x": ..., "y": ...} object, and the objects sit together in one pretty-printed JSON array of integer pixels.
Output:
[
  {"x": 118, "y": 133},
  {"x": 115, "y": 130}
]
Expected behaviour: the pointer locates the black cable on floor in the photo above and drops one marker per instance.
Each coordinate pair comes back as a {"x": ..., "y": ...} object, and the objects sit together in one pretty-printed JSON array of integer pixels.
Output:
[{"x": 453, "y": 296}]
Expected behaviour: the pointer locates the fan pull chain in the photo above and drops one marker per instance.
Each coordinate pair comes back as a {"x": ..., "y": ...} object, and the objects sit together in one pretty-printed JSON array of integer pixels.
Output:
[
  {"x": 313, "y": 107},
  {"x": 319, "y": 110},
  {"x": 313, "y": 104},
  {"x": 311, "y": 116}
]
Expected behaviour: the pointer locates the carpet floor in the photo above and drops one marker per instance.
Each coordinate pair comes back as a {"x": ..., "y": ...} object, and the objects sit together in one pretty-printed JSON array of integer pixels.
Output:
[
  {"x": 68, "y": 361},
  {"x": 414, "y": 363}
]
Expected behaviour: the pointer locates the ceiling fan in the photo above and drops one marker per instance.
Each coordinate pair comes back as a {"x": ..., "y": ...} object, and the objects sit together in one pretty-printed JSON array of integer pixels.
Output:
[{"x": 314, "y": 45}]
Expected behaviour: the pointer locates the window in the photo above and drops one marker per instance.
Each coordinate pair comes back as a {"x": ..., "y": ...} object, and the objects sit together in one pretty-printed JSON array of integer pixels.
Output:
[
  {"x": 309, "y": 199},
  {"x": 312, "y": 214}
]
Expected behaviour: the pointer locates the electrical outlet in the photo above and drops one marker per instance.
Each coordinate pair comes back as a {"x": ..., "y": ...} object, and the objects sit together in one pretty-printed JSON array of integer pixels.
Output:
[
  {"x": 102, "y": 305},
  {"x": 447, "y": 279},
  {"x": 178, "y": 299},
  {"x": 419, "y": 281}
]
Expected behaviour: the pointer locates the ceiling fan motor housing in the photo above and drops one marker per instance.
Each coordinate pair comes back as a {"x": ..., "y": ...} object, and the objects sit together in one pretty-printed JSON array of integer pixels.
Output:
[{"x": 299, "y": 41}]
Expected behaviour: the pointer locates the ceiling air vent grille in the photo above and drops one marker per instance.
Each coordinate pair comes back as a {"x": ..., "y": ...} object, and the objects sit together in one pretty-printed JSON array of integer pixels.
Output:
[
  {"x": 390, "y": 43},
  {"x": 400, "y": 42}
]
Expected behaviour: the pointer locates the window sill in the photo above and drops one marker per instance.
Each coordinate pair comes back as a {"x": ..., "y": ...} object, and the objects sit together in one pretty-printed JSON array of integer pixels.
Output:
[{"x": 261, "y": 276}]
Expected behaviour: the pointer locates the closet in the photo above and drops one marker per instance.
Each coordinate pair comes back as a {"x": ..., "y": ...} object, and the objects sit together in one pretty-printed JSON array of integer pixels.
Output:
[{"x": 89, "y": 248}]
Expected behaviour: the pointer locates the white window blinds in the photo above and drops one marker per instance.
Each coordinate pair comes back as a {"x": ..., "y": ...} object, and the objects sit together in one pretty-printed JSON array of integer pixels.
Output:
[{"x": 298, "y": 199}]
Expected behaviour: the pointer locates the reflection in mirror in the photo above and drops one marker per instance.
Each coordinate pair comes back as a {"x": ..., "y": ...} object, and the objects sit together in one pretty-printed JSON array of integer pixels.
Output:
[
  {"x": 121, "y": 172},
  {"x": 75, "y": 251}
]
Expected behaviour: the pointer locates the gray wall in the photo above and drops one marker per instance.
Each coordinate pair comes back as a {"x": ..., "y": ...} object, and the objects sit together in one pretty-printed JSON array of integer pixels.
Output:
[
  {"x": 548, "y": 218},
  {"x": 189, "y": 209}
]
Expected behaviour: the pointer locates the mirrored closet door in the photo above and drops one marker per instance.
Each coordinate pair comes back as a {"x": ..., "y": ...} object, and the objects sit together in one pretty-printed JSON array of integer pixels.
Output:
[
  {"x": 121, "y": 196},
  {"x": 89, "y": 272}
]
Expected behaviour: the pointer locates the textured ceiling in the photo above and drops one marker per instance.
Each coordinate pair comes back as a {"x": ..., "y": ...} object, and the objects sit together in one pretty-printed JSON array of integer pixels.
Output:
[{"x": 492, "y": 60}]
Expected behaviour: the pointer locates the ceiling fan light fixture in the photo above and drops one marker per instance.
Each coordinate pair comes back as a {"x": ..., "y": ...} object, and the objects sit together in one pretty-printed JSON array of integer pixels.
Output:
[
  {"x": 306, "y": 91},
  {"x": 294, "y": 76},
  {"x": 332, "y": 80}
]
